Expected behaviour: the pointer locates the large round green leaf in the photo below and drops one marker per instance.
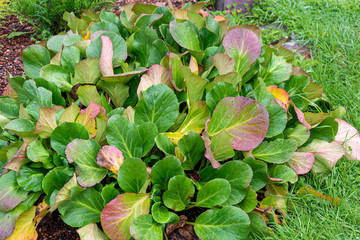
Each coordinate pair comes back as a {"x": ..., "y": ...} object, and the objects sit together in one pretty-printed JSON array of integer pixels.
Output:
[
  {"x": 30, "y": 178},
  {"x": 192, "y": 146},
  {"x": 277, "y": 120},
  {"x": 227, "y": 223},
  {"x": 158, "y": 105},
  {"x": 34, "y": 58},
  {"x": 278, "y": 151},
  {"x": 56, "y": 179},
  {"x": 9, "y": 108},
  {"x": 244, "y": 119},
  {"x": 65, "y": 133},
  {"x": 179, "y": 192},
  {"x": 165, "y": 169},
  {"x": 213, "y": 193},
  {"x": 132, "y": 175},
  {"x": 124, "y": 135},
  {"x": 144, "y": 227},
  {"x": 162, "y": 215},
  {"x": 83, "y": 208},
  {"x": 184, "y": 36},
  {"x": 143, "y": 49},
  {"x": 57, "y": 75}
]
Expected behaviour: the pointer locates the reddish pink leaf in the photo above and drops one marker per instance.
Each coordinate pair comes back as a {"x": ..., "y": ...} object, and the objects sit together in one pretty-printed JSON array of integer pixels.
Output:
[
  {"x": 155, "y": 75},
  {"x": 326, "y": 154},
  {"x": 107, "y": 54},
  {"x": 110, "y": 157},
  {"x": 301, "y": 117},
  {"x": 301, "y": 162},
  {"x": 349, "y": 137}
]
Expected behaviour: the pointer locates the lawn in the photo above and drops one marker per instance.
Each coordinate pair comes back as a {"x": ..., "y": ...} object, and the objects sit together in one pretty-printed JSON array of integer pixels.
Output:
[{"x": 330, "y": 29}]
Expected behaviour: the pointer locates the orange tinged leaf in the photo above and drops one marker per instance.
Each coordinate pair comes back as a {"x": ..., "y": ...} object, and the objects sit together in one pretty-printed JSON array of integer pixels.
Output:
[
  {"x": 280, "y": 94},
  {"x": 175, "y": 136},
  {"x": 310, "y": 191},
  {"x": 86, "y": 36},
  {"x": 87, "y": 118},
  {"x": 220, "y": 18}
]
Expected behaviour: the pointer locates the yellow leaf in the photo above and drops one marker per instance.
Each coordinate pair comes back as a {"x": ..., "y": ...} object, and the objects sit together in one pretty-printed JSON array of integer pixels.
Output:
[
  {"x": 280, "y": 94},
  {"x": 310, "y": 191},
  {"x": 175, "y": 136},
  {"x": 25, "y": 226},
  {"x": 86, "y": 36}
]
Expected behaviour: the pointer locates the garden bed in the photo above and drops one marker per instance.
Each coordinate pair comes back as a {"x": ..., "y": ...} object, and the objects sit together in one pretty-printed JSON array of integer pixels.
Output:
[{"x": 145, "y": 141}]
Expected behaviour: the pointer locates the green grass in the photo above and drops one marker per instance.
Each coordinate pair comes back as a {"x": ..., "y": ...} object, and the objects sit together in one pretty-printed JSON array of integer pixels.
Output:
[{"x": 332, "y": 31}]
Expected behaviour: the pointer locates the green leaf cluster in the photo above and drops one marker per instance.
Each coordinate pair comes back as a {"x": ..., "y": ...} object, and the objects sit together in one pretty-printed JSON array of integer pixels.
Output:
[{"x": 134, "y": 120}]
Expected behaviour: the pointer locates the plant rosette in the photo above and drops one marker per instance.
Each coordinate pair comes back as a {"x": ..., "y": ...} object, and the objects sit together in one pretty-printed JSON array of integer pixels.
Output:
[{"x": 126, "y": 124}]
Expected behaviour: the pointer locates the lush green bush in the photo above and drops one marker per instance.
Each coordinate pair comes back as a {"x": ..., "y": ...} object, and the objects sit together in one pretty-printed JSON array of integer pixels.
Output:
[
  {"x": 46, "y": 15},
  {"x": 134, "y": 121}
]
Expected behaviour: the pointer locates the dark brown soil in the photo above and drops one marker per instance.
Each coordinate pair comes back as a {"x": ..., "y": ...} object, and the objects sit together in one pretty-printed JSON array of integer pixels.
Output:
[
  {"x": 11, "y": 49},
  {"x": 52, "y": 227}
]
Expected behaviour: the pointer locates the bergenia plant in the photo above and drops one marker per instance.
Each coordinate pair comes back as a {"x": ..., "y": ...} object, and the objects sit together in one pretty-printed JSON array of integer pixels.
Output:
[{"x": 161, "y": 120}]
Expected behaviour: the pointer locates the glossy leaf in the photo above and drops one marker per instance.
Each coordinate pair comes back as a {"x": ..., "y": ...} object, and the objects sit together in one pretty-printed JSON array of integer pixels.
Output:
[
  {"x": 47, "y": 122},
  {"x": 326, "y": 154},
  {"x": 144, "y": 227},
  {"x": 119, "y": 47},
  {"x": 91, "y": 232},
  {"x": 196, "y": 118},
  {"x": 30, "y": 179},
  {"x": 179, "y": 192},
  {"x": 277, "y": 120},
  {"x": 66, "y": 133},
  {"x": 84, "y": 207},
  {"x": 225, "y": 223},
  {"x": 259, "y": 170},
  {"x": 192, "y": 146},
  {"x": 302, "y": 162},
  {"x": 162, "y": 215},
  {"x": 164, "y": 170},
  {"x": 155, "y": 75},
  {"x": 221, "y": 90},
  {"x": 56, "y": 179},
  {"x": 124, "y": 135},
  {"x": 86, "y": 71},
  {"x": 350, "y": 138},
  {"x": 184, "y": 36},
  {"x": 213, "y": 193},
  {"x": 64, "y": 193},
  {"x": 58, "y": 76},
  {"x": 34, "y": 58},
  {"x": 278, "y": 151},
  {"x": 132, "y": 175},
  {"x": 158, "y": 105}
]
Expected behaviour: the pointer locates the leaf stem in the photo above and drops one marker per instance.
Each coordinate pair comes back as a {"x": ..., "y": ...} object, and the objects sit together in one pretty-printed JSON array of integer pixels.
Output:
[{"x": 190, "y": 223}]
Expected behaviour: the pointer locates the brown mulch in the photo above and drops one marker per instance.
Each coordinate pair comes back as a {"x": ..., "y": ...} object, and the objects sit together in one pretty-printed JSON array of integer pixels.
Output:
[
  {"x": 52, "y": 227},
  {"x": 11, "y": 49}
]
